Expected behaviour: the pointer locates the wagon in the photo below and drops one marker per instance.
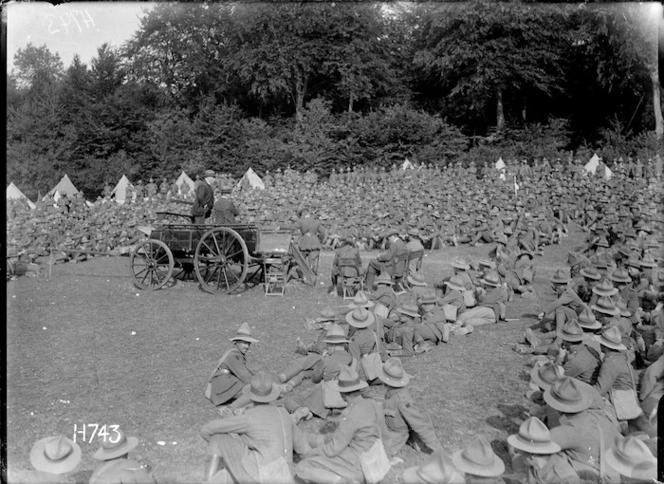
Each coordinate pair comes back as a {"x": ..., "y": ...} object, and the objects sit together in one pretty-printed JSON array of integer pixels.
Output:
[{"x": 222, "y": 257}]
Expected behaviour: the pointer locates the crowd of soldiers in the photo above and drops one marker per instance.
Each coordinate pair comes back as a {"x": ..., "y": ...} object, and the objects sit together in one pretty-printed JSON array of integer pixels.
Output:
[
  {"x": 598, "y": 347},
  {"x": 448, "y": 206}
]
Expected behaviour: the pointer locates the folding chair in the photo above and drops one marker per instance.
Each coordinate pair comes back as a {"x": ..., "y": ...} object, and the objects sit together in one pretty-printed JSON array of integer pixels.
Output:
[
  {"x": 350, "y": 284},
  {"x": 400, "y": 273},
  {"x": 415, "y": 256},
  {"x": 275, "y": 270}
]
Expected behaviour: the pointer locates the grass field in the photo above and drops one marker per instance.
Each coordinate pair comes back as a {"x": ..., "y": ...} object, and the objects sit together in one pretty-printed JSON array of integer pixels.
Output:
[{"x": 86, "y": 347}]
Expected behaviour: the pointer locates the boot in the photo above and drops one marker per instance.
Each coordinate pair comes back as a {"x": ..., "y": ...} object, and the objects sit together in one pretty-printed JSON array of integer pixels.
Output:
[
  {"x": 447, "y": 328},
  {"x": 291, "y": 371},
  {"x": 301, "y": 348},
  {"x": 296, "y": 380},
  {"x": 531, "y": 338}
]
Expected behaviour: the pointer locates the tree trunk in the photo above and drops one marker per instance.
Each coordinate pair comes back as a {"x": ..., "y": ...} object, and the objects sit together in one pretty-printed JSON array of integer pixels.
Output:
[
  {"x": 523, "y": 110},
  {"x": 350, "y": 102},
  {"x": 500, "y": 113},
  {"x": 657, "y": 103},
  {"x": 300, "y": 89}
]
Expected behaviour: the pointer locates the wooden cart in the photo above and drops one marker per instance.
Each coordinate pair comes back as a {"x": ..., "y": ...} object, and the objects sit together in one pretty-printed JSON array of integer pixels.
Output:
[{"x": 222, "y": 258}]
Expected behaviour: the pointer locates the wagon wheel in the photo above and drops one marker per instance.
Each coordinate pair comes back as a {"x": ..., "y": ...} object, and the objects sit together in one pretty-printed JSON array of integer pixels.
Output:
[
  {"x": 221, "y": 260},
  {"x": 151, "y": 264}
]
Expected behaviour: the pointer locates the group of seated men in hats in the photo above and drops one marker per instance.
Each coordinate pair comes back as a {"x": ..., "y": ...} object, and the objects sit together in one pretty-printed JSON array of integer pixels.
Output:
[{"x": 589, "y": 350}]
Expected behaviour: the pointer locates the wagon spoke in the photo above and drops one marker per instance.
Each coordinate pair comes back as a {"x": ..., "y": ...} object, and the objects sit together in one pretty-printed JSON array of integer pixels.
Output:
[
  {"x": 216, "y": 244},
  {"x": 226, "y": 277},
  {"x": 234, "y": 254},
  {"x": 141, "y": 271},
  {"x": 160, "y": 259}
]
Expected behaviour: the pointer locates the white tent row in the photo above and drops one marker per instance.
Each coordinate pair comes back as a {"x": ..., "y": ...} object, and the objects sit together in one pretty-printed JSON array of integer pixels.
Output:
[
  {"x": 120, "y": 191},
  {"x": 64, "y": 186},
  {"x": 251, "y": 180},
  {"x": 407, "y": 165},
  {"x": 13, "y": 193},
  {"x": 593, "y": 164},
  {"x": 182, "y": 179}
]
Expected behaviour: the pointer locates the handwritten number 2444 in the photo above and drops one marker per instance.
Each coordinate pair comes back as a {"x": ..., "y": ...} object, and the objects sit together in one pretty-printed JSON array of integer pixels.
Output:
[{"x": 70, "y": 19}]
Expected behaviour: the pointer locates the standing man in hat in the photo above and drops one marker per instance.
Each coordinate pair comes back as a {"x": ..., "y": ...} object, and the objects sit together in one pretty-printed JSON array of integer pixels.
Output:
[
  {"x": 232, "y": 375},
  {"x": 203, "y": 199},
  {"x": 387, "y": 260},
  {"x": 225, "y": 210},
  {"x": 338, "y": 458},
  {"x": 116, "y": 467},
  {"x": 405, "y": 421},
  {"x": 256, "y": 446},
  {"x": 52, "y": 458}
]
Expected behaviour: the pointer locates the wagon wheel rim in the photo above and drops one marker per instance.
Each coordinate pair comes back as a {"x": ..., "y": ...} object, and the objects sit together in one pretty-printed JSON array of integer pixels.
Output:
[
  {"x": 152, "y": 264},
  {"x": 221, "y": 260}
]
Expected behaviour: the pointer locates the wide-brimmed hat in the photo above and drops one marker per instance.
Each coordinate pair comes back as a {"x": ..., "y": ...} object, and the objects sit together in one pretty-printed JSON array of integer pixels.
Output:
[
  {"x": 587, "y": 319},
  {"x": 611, "y": 338},
  {"x": 428, "y": 299},
  {"x": 360, "y": 318},
  {"x": 491, "y": 279},
  {"x": 360, "y": 300},
  {"x": 326, "y": 314},
  {"x": 335, "y": 335},
  {"x": 533, "y": 437},
  {"x": 261, "y": 389},
  {"x": 439, "y": 469},
  {"x": 648, "y": 261},
  {"x": 546, "y": 375},
  {"x": 409, "y": 309},
  {"x": 416, "y": 279},
  {"x": 632, "y": 458},
  {"x": 349, "y": 381},
  {"x": 605, "y": 305},
  {"x": 568, "y": 395},
  {"x": 209, "y": 173},
  {"x": 460, "y": 264},
  {"x": 487, "y": 263},
  {"x": 574, "y": 259},
  {"x": 455, "y": 283},
  {"x": 244, "y": 334},
  {"x": 479, "y": 459},
  {"x": 620, "y": 275},
  {"x": 392, "y": 373},
  {"x": 572, "y": 332},
  {"x": 384, "y": 278},
  {"x": 57, "y": 455},
  {"x": 390, "y": 232},
  {"x": 591, "y": 273},
  {"x": 560, "y": 277},
  {"x": 605, "y": 288},
  {"x": 113, "y": 449},
  {"x": 527, "y": 253}
]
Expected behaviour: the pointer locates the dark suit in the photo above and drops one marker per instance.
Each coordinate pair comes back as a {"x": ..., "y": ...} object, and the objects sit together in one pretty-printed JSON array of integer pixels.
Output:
[{"x": 385, "y": 262}]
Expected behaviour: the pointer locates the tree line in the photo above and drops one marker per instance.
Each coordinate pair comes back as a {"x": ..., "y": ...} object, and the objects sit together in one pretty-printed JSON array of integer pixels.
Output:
[{"x": 329, "y": 85}]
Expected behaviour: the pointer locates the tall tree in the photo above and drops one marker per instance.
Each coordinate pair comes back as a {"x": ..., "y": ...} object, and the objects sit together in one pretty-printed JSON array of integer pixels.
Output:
[{"x": 481, "y": 52}]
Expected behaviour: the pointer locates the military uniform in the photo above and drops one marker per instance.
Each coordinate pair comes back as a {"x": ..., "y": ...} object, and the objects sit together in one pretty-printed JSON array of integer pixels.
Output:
[
  {"x": 121, "y": 471},
  {"x": 356, "y": 433},
  {"x": 247, "y": 442},
  {"x": 327, "y": 369},
  {"x": 231, "y": 377},
  {"x": 405, "y": 420}
]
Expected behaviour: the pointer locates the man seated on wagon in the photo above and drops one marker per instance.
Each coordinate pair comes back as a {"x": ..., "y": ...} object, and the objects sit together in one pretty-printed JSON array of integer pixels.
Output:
[{"x": 225, "y": 210}]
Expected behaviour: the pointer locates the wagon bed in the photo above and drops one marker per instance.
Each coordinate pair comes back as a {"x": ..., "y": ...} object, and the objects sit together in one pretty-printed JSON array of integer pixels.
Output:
[{"x": 220, "y": 256}]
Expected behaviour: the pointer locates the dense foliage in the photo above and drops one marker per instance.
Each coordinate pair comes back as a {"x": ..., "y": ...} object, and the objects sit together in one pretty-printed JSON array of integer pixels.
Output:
[{"x": 325, "y": 85}]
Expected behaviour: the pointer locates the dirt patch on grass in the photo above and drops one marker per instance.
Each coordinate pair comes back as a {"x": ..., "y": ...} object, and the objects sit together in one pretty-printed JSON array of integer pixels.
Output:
[{"x": 87, "y": 347}]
